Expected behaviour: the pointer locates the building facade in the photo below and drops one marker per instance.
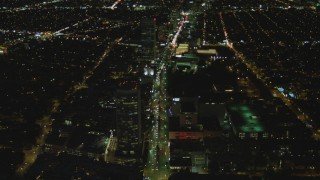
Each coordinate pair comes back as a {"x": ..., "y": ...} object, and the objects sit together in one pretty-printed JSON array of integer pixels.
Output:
[{"x": 128, "y": 117}]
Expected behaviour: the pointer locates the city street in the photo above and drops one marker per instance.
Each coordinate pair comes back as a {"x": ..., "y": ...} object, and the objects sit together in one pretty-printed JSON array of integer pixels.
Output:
[{"x": 159, "y": 150}]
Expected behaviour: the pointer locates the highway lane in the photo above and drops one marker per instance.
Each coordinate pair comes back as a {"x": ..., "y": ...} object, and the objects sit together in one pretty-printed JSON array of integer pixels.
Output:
[
  {"x": 158, "y": 156},
  {"x": 115, "y": 4},
  {"x": 157, "y": 167}
]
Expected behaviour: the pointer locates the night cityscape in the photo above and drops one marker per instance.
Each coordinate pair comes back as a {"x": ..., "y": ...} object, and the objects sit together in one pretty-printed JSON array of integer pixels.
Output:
[{"x": 159, "y": 89}]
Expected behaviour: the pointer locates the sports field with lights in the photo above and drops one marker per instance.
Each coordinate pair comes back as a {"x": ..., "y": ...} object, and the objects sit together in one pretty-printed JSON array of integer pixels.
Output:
[{"x": 246, "y": 120}]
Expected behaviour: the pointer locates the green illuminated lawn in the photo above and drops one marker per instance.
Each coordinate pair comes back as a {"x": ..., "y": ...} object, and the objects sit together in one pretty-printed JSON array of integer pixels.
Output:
[{"x": 251, "y": 122}]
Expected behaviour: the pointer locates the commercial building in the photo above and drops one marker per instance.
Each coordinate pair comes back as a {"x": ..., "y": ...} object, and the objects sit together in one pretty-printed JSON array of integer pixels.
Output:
[
  {"x": 212, "y": 52},
  {"x": 186, "y": 135},
  {"x": 128, "y": 117}
]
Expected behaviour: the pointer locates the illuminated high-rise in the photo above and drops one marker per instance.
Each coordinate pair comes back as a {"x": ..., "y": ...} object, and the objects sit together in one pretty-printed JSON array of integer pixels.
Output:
[{"x": 128, "y": 122}]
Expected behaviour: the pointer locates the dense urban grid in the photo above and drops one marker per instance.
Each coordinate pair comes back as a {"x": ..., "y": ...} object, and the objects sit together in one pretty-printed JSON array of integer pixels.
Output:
[{"x": 160, "y": 89}]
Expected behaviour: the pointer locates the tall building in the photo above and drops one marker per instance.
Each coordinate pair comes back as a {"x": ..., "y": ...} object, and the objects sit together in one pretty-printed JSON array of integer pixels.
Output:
[{"x": 128, "y": 122}]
